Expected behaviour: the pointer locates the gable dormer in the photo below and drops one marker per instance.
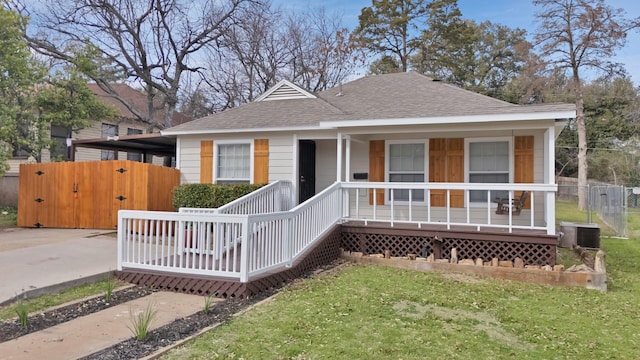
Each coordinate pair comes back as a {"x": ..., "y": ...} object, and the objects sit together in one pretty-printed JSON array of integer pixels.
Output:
[{"x": 285, "y": 90}]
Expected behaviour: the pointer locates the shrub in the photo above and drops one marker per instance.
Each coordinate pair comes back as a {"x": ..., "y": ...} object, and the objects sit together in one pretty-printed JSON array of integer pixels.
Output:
[
  {"x": 208, "y": 303},
  {"x": 110, "y": 285},
  {"x": 209, "y": 195},
  {"x": 22, "y": 310},
  {"x": 141, "y": 321}
]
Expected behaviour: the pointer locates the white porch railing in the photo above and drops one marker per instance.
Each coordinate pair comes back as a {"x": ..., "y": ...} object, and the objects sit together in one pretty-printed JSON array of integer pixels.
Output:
[
  {"x": 225, "y": 245},
  {"x": 259, "y": 239},
  {"x": 539, "y": 216}
]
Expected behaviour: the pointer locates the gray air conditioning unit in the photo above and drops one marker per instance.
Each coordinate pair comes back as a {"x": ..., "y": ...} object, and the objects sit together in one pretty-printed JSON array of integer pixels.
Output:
[{"x": 584, "y": 235}]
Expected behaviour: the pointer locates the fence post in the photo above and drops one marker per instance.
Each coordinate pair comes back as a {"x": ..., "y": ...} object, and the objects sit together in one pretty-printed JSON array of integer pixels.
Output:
[
  {"x": 244, "y": 252},
  {"x": 286, "y": 240},
  {"x": 121, "y": 234},
  {"x": 589, "y": 205}
]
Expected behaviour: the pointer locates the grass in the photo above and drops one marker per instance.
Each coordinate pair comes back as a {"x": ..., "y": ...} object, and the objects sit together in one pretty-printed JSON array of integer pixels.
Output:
[
  {"x": 385, "y": 313},
  {"x": 23, "y": 313},
  {"x": 46, "y": 301},
  {"x": 208, "y": 303},
  {"x": 110, "y": 284},
  {"x": 8, "y": 217},
  {"x": 363, "y": 312},
  {"x": 141, "y": 321},
  {"x": 633, "y": 223}
]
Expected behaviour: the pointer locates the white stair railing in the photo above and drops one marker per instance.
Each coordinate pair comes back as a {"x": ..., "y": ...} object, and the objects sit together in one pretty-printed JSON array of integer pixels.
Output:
[{"x": 277, "y": 240}]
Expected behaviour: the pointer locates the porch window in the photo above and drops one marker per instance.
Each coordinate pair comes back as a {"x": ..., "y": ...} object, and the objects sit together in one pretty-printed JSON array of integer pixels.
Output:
[
  {"x": 488, "y": 163},
  {"x": 233, "y": 163},
  {"x": 407, "y": 164}
]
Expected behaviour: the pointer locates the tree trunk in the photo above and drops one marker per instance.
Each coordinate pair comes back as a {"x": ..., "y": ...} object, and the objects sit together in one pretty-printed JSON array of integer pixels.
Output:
[{"x": 582, "y": 149}]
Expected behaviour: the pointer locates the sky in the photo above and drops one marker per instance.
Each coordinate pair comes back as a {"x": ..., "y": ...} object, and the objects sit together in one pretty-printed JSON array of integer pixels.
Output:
[{"x": 512, "y": 13}]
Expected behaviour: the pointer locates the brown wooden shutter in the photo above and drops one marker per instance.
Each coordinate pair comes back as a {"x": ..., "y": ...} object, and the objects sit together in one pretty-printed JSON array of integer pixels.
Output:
[
  {"x": 523, "y": 163},
  {"x": 437, "y": 169},
  {"x": 260, "y": 161},
  {"x": 455, "y": 169},
  {"x": 376, "y": 169},
  {"x": 446, "y": 164},
  {"x": 206, "y": 161}
]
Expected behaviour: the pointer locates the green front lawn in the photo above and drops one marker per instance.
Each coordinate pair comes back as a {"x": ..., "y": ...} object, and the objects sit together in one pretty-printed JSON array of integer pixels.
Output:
[
  {"x": 8, "y": 217},
  {"x": 367, "y": 312}
]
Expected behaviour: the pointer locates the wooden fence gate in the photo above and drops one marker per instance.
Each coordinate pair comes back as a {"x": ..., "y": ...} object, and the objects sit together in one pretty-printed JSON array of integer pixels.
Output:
[{"x": 89, "y": 194}]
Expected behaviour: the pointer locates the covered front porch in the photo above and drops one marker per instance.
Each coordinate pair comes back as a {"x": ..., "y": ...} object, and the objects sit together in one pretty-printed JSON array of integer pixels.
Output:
[
  {"x": 261, "y": 240},
  {"x": 456, "y": 175}
]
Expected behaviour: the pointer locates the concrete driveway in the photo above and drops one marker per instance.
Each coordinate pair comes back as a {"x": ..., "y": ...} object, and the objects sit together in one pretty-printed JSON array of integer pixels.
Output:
[{"x": 38, "y": 261}]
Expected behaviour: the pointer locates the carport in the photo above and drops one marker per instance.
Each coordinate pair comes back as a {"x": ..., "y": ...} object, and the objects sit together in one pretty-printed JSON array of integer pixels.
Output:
[{"x": 146, "y": 144}]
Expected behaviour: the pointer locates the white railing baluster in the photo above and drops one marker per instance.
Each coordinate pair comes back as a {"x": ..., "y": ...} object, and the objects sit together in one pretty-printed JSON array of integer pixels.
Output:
[
  {"x": 532, "y": 208},
  {"x": 391, "y": 192},
  {"x": 448, "y": 209}
]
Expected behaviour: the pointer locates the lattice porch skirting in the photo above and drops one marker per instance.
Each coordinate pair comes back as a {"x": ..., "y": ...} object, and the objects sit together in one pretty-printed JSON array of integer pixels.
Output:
[{"x": 534, "y": 249}]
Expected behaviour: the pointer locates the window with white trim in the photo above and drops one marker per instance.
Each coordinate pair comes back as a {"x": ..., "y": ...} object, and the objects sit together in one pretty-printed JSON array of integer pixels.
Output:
[
  {"x": 489, "y": 162},
  {"x": 233, "y": 163},
  {"x": 406, "y": 164}
]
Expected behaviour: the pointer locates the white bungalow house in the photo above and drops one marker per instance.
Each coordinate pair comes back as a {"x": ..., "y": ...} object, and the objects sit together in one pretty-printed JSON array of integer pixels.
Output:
[{"x": 438, "y": 159}]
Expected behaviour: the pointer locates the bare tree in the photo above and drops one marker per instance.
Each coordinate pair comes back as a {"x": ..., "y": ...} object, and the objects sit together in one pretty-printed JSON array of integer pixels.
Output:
[
  {"x": 322, "y": 51},
  {"x": 576, "y": 35},
  {"x": 154, "y": 43},
  {"x": 309, "y": 48},
  {"x": 249, "y": 58}
]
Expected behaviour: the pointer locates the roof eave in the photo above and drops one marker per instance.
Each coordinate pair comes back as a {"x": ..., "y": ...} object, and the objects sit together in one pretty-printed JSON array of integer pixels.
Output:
[
  {"x": 451, "y": 119},
  {"x": 246, "y": 130}
]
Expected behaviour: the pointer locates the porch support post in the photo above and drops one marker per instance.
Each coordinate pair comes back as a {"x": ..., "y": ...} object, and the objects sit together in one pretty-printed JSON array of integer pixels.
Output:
[
  {"x": 339, "y": 158},
  {"x": 178, "y": 154},
  {"x": 348, "y": 159},
  {"x": 295, "y": 174},
  {"x": 347, "y": 175},
  {"x": 549, "y": 178}
]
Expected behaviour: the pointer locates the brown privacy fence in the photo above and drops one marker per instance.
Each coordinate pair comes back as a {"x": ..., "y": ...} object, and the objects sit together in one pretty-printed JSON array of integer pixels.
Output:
[{"x": 89, "y": 194}]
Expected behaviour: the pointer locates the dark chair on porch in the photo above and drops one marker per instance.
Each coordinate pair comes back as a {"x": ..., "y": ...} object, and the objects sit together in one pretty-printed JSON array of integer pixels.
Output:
[{"x": 516, "y": 205}]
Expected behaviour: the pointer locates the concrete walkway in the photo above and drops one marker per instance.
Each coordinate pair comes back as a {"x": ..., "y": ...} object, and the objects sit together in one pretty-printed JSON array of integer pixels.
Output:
[
  {"x": 38, "y": 261},
  {"x": 85, "y": 335}
]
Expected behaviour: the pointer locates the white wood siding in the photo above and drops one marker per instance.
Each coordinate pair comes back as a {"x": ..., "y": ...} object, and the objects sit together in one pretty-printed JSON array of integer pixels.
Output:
[
  {"x": 280, "y": 154},
  {"x": 280, "y": 157},
  {"x": 326, "y": 153}
]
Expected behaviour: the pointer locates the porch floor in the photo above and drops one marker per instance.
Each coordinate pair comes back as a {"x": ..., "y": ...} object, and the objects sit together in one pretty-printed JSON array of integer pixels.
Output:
[{"x": 484, "y": 233}]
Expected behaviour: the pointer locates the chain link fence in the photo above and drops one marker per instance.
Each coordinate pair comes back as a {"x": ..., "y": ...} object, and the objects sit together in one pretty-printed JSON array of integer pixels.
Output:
[{"x": 611, "y": 203}]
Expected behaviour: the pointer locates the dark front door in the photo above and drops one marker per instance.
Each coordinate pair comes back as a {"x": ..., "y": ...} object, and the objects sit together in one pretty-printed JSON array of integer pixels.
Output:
[{"x": 306, "y": 169}]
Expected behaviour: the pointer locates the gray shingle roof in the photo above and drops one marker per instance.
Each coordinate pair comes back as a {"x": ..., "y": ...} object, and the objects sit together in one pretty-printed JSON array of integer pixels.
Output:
[{"x": 390, "y": 96}]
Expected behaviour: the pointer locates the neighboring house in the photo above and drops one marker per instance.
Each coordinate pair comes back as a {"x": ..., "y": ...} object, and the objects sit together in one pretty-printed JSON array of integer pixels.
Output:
[
  {"x": 125, "y": 123},
  {"x": 398, "y": 164}
]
